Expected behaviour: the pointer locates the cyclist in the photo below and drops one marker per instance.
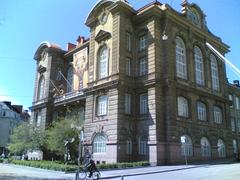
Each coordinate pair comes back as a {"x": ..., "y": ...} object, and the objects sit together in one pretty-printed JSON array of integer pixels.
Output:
[{"x": 89, "y": 163}]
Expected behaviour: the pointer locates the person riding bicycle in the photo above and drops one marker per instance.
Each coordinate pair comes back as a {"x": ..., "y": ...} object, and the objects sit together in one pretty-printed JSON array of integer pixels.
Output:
[{"x": 89, "y": 163}]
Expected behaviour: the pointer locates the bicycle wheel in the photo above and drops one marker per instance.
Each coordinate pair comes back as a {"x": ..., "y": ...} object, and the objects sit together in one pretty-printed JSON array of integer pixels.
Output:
[
  {"x": 96, "y": 175},
  {"x": 81, "y": 174}
]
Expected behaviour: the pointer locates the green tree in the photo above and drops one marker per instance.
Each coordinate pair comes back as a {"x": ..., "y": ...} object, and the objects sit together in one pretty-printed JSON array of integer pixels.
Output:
[{"x": 25, "y": 137}]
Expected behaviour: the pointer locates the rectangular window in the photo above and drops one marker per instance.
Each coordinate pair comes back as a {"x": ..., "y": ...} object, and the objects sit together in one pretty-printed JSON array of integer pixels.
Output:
[
  {"x": 233, "y": 124},
  {"x": 235, "y": 149},
  {"x": 230, "y": 97},
  {"x": 102, "y": 105},
  {"x": 129, "y": 41},
  {"x": 144, "y": 103},
  {"x": 238, "y": 125},
  {"x": 128, "y": 67},
  {"x": 127, "y": 103},
  {"x": 143, "y": 66},
  {"x": 237, "y": 103},
  {"x": 142, "y": 42}
]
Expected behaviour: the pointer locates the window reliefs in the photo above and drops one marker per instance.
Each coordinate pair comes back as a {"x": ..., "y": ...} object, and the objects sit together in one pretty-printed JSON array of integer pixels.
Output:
[
  {"x": 100, "y": 143},
  {"x": 199, "y": 68}
]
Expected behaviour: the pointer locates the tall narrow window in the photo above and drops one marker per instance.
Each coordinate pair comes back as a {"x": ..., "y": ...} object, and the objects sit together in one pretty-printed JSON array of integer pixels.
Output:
[
  {"x": 186, "y": 146},
  {"x": 144, "y": 103},
  {"x": 221, "y": 148},
  {"x": 143, "y": 42},
  {"x": 102, "y": 105},
  {"x": 128, "y": 67},
  {"x": 99, "y": 143},
  {"x": 143, "y": 66},
  {"x": 217, "y": 112},
  {"x": 41, "y": 85},
  {"x": 127, "y": 103},
  {"x": 69, "y": 79},
  {"x": 237, "y": 102},
  {"x": 235, "y": 148},
  {"x": 181, "y": 62},
  {"x": 182, "y": 106},
  {"x": 103, "y": 62},
  {"x": 238, "y": 125},
  {"x": 201, "y": 111},
  {"x": 38, "y": 119},
  {"x": 199, "y": 70},
  {"x": 233, "y": 124},
  {"x": 214, "y": 73},
  {"x": 142, "y": 145},
  {"x": 230, "y": 97},
  {"x": 129, "y": 146},
  {"x": 205, "y": 147},
  {"x": 129, "y": 41}
]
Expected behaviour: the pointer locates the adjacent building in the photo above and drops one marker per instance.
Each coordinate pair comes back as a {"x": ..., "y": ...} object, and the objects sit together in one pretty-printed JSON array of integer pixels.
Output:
[
  {"x": 10, "y": 117},
  {"x": 144, "y": 83}
]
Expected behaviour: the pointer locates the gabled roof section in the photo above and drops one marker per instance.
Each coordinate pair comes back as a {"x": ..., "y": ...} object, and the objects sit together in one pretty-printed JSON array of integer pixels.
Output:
[
  {"x": 92, "y": 15},
  {"x": 43, "y": 45}
]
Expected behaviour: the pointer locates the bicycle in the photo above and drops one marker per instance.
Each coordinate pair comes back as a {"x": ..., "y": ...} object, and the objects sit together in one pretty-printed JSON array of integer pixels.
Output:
[{"x": 84, "y": 172}]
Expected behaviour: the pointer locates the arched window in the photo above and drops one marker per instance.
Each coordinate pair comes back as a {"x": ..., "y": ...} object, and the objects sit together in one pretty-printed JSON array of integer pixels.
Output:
[
  {"x": 69, "y": 79},
  {"x": 205, "y": 147},
  {"x": 199, "y": 70},
  {"x": 186, "y": 146},
  {"x": 217, "y": 113},
  {"x": 99, "y": 143},
  {"x": 142, "y": 145},
  {"x": 103, "y": 62},
  {"x": 181, "y": 64},
  {"x": 182, "y": 106},
  {"x": 201, "y": 111},
  {"x": 221, "y": 148},
  {"x": 41, "y": 83},
  {"x": 129, "y": 146},
  {"x": 214, "y": 73}
]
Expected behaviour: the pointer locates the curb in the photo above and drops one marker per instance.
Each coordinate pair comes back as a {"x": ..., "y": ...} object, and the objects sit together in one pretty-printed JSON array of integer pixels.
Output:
[{"x": 151, "y": 172}]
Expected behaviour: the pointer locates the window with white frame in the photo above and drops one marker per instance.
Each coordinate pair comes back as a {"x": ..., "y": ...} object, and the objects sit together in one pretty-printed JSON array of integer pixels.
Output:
[
  {"x": 233, "y": 124},
  {"x": 38, "y": 119},
  {"x": 182, "y": 106},
  {"x": 143, "y": 42},
  {"x": 127, "y": 103},
  {"x": 237, "y": 102},
  {"x": 217, "y": 113},
  {"x": 221, "y": 148},
  {"x": 199, "y": 69},
  {"x": 129, "y": 41},
  {"x": 214, "y": 73},
  {"x": 129, "y": 146},
  {"x": 102, "y": 103},
  {"x": 235, "y": 148},
  {"x": 128, "y": 67},
  {"x": 99, "y": 143},
  {"x": 103, "y": 62},
  {"x": 181, "y": 61},
  {"x": 143, "y": 66},
  {"x": 41, "y": 85},
  {"x": 144, "y": 103},
  {"x": 230, "y": 97},
  {"x": 186, "y": 146},
  {"x": 205, "y": 147},
  {"x": 69, "y": 79},
  {"x": 201, "y": 111},
  {"x": 142, "y": 145}
]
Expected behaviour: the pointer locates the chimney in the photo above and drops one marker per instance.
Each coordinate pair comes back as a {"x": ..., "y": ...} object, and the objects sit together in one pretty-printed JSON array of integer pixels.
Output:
[
  {"x": 80, "y": 40},
  {"x": 70, "y": 46},
  {"x": 236, "y": 83},
  {"x": 184, "y": 6}
]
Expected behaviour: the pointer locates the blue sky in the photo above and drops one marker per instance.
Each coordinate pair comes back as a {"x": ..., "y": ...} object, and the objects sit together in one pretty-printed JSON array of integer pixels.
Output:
[{"x": 24, "y": 24}]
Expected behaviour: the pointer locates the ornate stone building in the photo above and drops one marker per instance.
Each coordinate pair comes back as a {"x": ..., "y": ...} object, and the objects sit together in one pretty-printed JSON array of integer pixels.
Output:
[{"x": 146, "y": 83}]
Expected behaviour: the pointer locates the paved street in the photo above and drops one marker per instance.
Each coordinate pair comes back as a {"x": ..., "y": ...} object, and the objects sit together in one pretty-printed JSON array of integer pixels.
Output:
[{"x": 181, "y": 172}]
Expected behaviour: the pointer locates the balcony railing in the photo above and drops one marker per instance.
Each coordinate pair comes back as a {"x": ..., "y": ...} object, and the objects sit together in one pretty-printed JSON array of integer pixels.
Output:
[
  {"x": 40, "y": 101},
  {"x": 68, "y": 96}
]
